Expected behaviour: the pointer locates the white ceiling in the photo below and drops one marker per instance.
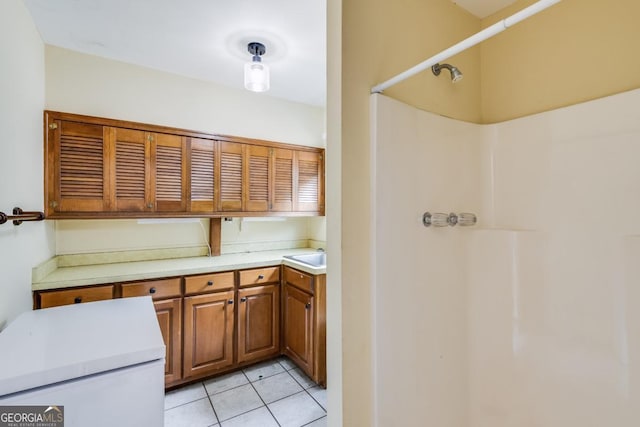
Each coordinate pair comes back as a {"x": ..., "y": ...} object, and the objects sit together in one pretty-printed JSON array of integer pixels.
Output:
[
  {"x": 203, "y": 39},
  {"x": 207, "y": 39},
  {"x": 483, "y": 8}
]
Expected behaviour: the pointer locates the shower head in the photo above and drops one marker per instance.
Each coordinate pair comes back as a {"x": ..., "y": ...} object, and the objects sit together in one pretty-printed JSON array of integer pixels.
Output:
[{"x": 456, "y": 75}]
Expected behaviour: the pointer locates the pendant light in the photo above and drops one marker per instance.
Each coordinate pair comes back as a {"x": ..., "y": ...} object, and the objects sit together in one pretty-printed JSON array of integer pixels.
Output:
[{"x": 256, "y": 74}]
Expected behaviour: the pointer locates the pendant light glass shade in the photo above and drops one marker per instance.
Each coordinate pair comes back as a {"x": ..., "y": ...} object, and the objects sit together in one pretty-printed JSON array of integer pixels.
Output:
[{"x": 256, "y": 76}]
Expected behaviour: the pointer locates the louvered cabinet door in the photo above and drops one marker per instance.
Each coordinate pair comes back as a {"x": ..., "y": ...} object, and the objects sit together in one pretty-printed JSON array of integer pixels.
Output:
[
  {"x": 202, "y": 155},
  {"x": 256, "y": 178},
  {"x": 169, "y": 184},
  {"x": 77, "y": 168},
  {"x": 131, "y": 170},
  {"x": 231, "y": 172},
  {"x": 282, "y": 183},
  {"x": 309, "y": 188}
]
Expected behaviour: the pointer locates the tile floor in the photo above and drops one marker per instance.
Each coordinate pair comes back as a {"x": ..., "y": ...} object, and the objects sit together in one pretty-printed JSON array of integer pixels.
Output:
[{"x": 270, "y": 394}]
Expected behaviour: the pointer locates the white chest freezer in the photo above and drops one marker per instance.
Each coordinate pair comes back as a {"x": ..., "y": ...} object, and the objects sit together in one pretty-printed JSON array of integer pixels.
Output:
[{"x": 102, "y": 361}]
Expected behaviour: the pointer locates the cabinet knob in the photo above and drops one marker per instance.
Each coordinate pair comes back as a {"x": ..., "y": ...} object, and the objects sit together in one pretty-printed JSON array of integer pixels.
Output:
[
  {"x": 243, "y": 299},
  {"x": 150, "y": 205},
  {"x": 152, "y": 290},
  {"x": 308, "y": 306},
  {"x": 210, "y": 283},
  {"x": 260, "y": 277},
  {"x": 77, "y": 300},
  {"x": 230, "y": 301}
]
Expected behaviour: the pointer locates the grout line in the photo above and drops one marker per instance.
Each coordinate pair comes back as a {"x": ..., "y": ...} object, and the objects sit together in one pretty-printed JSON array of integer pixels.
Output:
[
  {"x": 285, "y": 367},
  {"x": 225, "y": 390},
  {"x": 302, "y": 374},
  {"x": 310, "y": 422},
  {"x": 262, "y": 400},
  {"x": 215, "y": 414},
  {"x": 186, "y": 403},
  {"x": 316, "y": 400}
]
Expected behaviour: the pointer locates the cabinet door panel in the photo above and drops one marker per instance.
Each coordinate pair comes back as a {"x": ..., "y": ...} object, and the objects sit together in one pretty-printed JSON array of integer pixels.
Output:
[
  {"x": 208, "y": 333},
  {"x": 77, "y": 167},
  {"x": 282, "y": 190},
  {"x": 202, "y": 173},
  {"x": 131, "y": 165},
  {"x": 258, "y": 322},
  {"x": 298, "y": 327},
  {"x": 169, "y": 314},
  {"x": 231, "y": 167},
  {"x": 169, "y": 161},
  {"x": 257, "y": 178},
  {"x": 309, "y": 185}
]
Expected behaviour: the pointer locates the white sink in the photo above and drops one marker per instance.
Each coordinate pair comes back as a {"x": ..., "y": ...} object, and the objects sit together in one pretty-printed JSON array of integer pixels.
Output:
[{"x": 318, "y": 259}]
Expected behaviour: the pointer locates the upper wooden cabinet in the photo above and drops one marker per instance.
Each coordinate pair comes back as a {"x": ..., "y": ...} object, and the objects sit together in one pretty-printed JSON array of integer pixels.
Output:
[
  {"x": 309, "y": 182},
  {"x": 257, "y": 175},
  {"x": 203, "y": 193},
  {"x": 97, "y": 168},
  {"x": 77, "y": 168},
  {"x": 231, "y": 165}
]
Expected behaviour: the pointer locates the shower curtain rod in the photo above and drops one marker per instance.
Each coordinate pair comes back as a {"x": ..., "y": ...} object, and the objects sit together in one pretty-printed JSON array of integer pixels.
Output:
[{"x": 488, "y": 32}]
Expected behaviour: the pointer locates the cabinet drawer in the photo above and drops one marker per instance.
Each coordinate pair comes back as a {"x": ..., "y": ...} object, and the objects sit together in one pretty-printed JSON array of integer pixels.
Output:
[
  {"x": 158, "y": 289},
  {"x": 298, "y": 279},
  {"x": 75, "y": 296},
  {"x": 258, "y": 276},
  {"x": 208, "y": 283}
]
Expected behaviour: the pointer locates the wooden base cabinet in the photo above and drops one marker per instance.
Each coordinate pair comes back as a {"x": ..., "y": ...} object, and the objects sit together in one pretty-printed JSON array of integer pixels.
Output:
[
  {"x": 167, "y": 300},
  {"x": 208, "y": 334},
  {"x": 298, "y": 327},
  {"x": 216, "y": 322},
  {"x": 169, "y": 314},
  {"x": 258, "y": 323},
  {"x": 304, "y": 322}
]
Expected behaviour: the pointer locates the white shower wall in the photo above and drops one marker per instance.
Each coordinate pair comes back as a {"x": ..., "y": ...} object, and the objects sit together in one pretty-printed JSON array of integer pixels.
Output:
[
  {"x": 422, "y": 162},
  {"x": 540, "y": 299}
]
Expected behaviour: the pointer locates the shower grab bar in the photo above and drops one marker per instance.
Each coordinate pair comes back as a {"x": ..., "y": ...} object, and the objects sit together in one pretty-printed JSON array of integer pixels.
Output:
[
  {"x": 19, "y": 216},
  {"x": 465, "y": 44}
]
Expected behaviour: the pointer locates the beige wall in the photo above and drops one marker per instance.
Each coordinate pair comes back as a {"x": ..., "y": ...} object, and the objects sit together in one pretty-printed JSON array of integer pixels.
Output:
[
  {"x": 21, "y": 103},
  {"x": 87, "y": 84},
  {"x": 238, "y": 235},
  {"x": 572, "y": 52},
  {"x": 380, "y": 39}
]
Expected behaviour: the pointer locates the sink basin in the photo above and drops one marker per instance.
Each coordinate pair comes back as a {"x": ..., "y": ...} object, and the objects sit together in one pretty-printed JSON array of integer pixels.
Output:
[{"x": 314, "y": 260}]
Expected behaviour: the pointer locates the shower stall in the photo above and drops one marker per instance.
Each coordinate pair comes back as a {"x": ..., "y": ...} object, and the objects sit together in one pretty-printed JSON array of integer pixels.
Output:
[{"x": 531, "y": 316}]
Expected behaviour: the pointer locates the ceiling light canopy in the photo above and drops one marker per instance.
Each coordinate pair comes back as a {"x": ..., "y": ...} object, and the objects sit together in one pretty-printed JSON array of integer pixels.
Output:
[{"x": 256, "y": 74}]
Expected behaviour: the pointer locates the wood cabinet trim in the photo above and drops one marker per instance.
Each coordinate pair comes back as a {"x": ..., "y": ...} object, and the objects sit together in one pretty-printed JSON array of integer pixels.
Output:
[
  {"x": 299, "y": 279},
  {"x": 72, "y": 117},
  {"x": 258, "y": 276},
  {"x": 209, "y": 283},
  {"x": 157, "y": 289},
  {"x": 55, "y": 298}
]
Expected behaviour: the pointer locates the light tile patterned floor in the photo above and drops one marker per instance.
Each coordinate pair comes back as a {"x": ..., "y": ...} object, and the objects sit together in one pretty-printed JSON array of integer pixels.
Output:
[{"x": 269, "y": 394}]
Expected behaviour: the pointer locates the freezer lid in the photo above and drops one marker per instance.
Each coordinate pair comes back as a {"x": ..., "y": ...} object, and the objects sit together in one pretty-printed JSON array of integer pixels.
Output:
[{"x": 48, "y": 346}]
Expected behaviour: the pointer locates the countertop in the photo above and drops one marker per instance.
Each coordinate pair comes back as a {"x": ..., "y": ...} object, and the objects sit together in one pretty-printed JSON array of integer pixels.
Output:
[
  {"x": 66, "y": 277},
  {"x": 43, "y": 347}
]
